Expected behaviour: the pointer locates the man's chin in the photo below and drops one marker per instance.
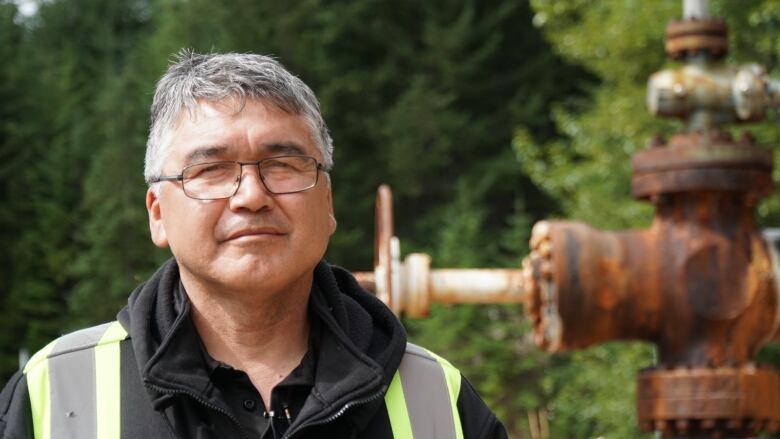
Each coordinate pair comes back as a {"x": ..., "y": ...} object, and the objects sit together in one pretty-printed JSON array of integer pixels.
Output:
[{"x": 262, "y": 274}]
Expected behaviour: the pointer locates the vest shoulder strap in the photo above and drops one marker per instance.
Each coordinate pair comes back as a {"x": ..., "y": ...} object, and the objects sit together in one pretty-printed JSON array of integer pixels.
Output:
[
  {"x": 422, "y": 398},
  {"x": 74, "y": 385}
]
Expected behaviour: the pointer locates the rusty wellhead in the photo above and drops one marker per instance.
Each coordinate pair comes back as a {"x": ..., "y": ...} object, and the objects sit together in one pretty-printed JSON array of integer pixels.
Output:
[{"x": 700, "y": 282}]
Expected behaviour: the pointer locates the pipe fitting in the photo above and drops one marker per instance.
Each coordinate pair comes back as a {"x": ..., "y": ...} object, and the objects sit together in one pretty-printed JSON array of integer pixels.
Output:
[{"x": 724, "y": 94}]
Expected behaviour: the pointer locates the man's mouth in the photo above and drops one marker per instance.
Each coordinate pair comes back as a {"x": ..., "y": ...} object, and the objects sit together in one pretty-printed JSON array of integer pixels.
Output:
[{"x": 258, "y": 232}]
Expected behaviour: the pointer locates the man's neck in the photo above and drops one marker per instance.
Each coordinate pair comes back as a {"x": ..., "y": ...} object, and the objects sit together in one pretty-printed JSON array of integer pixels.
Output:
[{"x": 265, "y": 335}]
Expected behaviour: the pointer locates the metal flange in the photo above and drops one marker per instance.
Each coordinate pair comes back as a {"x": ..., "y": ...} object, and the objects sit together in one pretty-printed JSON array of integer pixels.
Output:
[
  {"x": 700, "y": 162},
  {"x": 686, "y": 37},
  {"x": 738, "y": 401}
]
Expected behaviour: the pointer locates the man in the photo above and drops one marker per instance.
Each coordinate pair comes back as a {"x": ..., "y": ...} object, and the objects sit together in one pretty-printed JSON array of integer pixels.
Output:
[{"x": 246, "y": 332}]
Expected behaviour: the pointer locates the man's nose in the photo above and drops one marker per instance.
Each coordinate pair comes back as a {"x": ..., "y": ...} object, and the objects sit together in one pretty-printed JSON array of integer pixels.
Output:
[{"x": 252, "y": 193}]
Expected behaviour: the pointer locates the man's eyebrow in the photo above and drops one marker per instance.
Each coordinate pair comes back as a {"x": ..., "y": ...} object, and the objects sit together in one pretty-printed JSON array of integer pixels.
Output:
[
  {"x": 206, "y": 152},
  {"x": 209, "y": 152},
  {"x": 286, "y": 148}
]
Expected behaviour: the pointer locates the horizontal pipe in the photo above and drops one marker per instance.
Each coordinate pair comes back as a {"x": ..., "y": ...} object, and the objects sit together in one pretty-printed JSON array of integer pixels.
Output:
[
  {"x": 454, "y": 286},
  {"x": 476, "y": 286}
]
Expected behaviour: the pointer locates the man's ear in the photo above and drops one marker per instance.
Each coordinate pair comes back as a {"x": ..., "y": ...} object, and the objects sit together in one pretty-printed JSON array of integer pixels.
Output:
[{"x": 156, "y": 226}]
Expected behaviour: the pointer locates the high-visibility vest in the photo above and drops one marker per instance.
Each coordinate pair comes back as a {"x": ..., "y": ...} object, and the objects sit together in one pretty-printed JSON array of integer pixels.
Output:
[{"x": 74, "y": 388}]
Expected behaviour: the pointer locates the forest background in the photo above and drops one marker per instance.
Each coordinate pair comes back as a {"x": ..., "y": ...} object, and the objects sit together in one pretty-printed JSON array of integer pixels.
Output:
[{"x": 483, "y": 115}]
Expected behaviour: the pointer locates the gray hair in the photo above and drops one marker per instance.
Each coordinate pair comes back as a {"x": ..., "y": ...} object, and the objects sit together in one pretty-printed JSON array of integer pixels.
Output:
[{"x": 214, "y": 77}]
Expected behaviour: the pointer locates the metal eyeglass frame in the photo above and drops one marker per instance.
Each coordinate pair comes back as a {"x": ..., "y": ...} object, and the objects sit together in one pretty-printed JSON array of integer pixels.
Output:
[{"x": 180, "y": 176}]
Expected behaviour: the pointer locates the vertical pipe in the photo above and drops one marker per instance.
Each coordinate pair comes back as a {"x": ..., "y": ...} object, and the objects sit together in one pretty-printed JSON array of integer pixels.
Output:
[
  {"x": 696, "y": 9},
  {"x": 383, "y": 235}
]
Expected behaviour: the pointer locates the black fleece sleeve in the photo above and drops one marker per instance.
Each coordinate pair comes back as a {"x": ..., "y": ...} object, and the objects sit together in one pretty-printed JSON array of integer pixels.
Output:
[
  {"x": 15, "y": 415},
  {"x": 477, "y": 420}
]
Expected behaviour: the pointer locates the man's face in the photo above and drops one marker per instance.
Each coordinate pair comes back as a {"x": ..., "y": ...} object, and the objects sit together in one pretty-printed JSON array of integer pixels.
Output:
[{"x": 254, "y": 240}]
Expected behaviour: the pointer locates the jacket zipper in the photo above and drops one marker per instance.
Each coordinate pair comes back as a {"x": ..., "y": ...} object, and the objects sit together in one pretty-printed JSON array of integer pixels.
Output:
[
  {"x": 338, "y": 414},
  {"x": 216, "y": 408}
]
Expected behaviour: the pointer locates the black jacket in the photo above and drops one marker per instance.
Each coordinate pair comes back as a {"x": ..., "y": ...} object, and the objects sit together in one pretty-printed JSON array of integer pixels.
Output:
[{"x": 167, "y": 393}]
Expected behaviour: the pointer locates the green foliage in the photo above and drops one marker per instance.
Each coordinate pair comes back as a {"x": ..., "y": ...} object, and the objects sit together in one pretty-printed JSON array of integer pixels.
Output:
[
  {"x": 592, "y": 392},
  {"x": 113, "y": 203},
  {"x": 588, "y": 170},
  {"x": 56, "y": 132},
  {"x": 10, "y": 41}
]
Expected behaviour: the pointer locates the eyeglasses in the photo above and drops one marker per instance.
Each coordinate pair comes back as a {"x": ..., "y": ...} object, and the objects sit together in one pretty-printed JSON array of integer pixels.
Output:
[{"x": 218, "y": 180}]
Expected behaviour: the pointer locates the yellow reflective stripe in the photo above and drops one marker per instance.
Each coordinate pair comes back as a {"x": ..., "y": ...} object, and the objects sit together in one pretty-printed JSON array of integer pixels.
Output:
[
  {"x": 114, "y": 332},
  {"x": 396, "y": 410},
  {"x": 107, "y": 382},
  {"x": 452, "y": 376},
  {"x": 37, "y": 375}
]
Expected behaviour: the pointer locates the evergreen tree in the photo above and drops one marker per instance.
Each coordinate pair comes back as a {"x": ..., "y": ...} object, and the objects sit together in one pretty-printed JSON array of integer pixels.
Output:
[
  {"x": 69, "y": 49},
  {"x": 116, "y": 253},
  {"x": 12, "y": 157}
]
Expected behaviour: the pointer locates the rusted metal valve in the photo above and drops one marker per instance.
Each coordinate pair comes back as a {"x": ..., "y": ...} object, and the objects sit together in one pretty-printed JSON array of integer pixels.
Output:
[
  {"x": 409, "y": 287},
  {"x": 699, "y": 282}
]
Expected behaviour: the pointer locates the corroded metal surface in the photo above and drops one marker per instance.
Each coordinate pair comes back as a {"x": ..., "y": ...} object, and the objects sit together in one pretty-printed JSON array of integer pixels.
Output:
[
  {"x": 701, "y": 162},
  {"x": 709, "y": 95},
  {"x": 681, "y": 91},
  {"x": 701, "y": 271},
  {"x": 687, "y": 37},
  {"x": 732, "y": 401},
  {"x": 700, "y": 282}
]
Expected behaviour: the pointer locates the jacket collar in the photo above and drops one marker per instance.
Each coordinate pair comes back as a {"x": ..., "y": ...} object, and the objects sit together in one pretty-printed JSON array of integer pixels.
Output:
[{"x": 361, "y": 344}]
